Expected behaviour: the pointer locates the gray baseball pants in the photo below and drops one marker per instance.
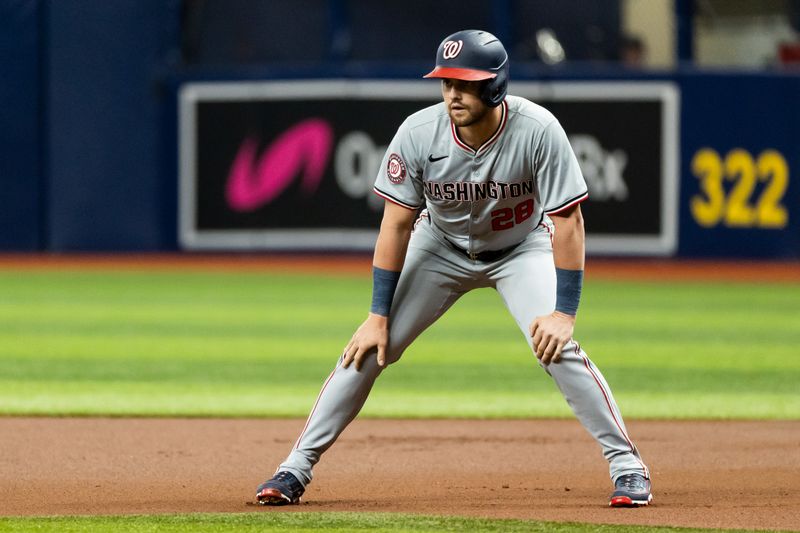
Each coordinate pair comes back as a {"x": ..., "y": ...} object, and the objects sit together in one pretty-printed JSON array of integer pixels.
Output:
[{"x": 434, "y": 276}]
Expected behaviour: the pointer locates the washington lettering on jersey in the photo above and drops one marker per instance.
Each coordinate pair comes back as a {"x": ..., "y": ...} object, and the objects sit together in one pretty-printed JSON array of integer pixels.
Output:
[{"x": 467, "y": 191}]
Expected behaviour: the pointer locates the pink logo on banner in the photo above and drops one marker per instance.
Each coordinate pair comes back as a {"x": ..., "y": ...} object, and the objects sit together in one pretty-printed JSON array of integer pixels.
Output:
[{"x": 305, "y": 146}]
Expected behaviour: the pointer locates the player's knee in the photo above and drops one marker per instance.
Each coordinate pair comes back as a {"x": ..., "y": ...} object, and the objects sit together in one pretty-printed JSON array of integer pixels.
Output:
[
  {"x": 393, "y": 355},
  {"x": 571, "y": 350}
]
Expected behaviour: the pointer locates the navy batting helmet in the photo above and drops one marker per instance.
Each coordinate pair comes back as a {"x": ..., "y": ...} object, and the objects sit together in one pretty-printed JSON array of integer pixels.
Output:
[{"x": 474, "y": 55}]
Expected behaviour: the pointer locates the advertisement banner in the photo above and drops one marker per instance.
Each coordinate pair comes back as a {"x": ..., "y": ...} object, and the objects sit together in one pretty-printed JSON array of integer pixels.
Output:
[
  {"x": 291, "y": 165},
  {"x": 740, "y": 158}
]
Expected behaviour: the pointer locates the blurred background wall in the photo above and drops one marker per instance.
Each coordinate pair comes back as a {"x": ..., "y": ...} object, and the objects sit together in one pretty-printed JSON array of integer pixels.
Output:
[{"x": 89, "y": 143}]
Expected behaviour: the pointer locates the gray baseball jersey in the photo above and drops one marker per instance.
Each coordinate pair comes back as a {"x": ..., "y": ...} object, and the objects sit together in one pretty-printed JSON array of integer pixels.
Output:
[
  {"x": 485, "y": 200},
  {"x": 490, "y": 198}
]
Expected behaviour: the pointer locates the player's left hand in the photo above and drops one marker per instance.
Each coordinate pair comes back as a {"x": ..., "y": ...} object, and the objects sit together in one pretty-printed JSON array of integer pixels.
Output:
[
  {"x": 550, "y": 333},
  {"x": 373, "y": 333}
]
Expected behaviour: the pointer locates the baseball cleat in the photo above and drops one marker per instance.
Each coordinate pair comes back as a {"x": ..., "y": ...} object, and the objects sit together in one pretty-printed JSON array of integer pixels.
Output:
[
  {"x": 632, "y": 490},
  {"x": 282, "y": 489}
]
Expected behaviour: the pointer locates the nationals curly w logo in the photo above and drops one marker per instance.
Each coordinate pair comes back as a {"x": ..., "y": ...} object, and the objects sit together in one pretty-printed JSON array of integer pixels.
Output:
[{"x": 452, "y": 49}]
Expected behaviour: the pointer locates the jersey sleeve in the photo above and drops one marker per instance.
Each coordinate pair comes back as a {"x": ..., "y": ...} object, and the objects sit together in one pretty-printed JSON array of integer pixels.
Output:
[
  {"x": 400, "y": 174},
  {"x": 561, "y": 183}
]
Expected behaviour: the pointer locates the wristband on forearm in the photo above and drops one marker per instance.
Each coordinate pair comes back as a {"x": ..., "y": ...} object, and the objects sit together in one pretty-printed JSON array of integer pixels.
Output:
[
  {"x": 568, "y": 290},
  {"x": 384, "y": 283}
]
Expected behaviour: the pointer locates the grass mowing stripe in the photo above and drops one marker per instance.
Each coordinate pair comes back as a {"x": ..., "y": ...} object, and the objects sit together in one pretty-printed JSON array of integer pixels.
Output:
[
  {"x": 163, "y": 343},
  {"x": 315, "y": 521},
  {"x": 143, "y": 399}
]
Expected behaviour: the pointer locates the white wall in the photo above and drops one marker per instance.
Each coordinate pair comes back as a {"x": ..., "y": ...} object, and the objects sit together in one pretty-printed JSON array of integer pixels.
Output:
[{"x": 653, "y": 21}]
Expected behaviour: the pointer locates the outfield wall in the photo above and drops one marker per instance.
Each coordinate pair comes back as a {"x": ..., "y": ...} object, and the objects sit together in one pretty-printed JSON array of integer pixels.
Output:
[
  {"x": 89, "y": 154},
  {"x": 21, "y": 215}
]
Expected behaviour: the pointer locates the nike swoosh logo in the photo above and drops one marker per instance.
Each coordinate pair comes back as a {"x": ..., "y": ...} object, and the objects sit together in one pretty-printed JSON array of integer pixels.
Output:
[{"x": 435, "y": 159}]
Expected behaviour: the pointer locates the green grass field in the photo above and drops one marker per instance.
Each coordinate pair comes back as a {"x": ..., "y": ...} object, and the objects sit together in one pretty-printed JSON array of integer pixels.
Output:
[
  {"x": 198, "y": 344},
  {"x": 307, "y": 522},
  {"x": 214, "y": 344}
]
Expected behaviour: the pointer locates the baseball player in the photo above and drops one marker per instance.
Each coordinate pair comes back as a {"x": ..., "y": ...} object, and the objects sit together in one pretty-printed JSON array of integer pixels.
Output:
[{"x": 503, "y": 191}]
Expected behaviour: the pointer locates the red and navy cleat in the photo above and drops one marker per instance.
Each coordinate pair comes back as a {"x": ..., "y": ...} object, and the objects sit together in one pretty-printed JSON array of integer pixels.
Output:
[
  {"x": 632, "y": 490},
  {"x": 282, "y": 489}
]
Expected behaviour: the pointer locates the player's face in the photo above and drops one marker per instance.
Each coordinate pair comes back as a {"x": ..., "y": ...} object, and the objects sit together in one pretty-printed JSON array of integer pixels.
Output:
[{"x": 463, "y": 101}]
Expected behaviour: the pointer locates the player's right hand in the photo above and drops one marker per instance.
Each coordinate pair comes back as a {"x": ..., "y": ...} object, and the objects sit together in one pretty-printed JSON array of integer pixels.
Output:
[{"x": 374, "y": 332}]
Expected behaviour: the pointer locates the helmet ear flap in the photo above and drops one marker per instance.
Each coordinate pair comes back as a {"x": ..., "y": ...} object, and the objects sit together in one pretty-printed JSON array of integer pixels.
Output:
[
  {"x": 486, "y": 92},
  {"x": 494, "y": 90}
]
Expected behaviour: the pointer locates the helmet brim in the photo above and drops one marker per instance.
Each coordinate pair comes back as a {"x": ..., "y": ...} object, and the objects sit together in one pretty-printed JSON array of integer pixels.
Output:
[{"x": 466, "y": 74}]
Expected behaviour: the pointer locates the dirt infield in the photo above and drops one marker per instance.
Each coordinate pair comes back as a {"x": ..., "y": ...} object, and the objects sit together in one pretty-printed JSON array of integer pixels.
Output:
[
  {"x": 706, "y": 474},
  {"x": 599, "y": 268}
]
